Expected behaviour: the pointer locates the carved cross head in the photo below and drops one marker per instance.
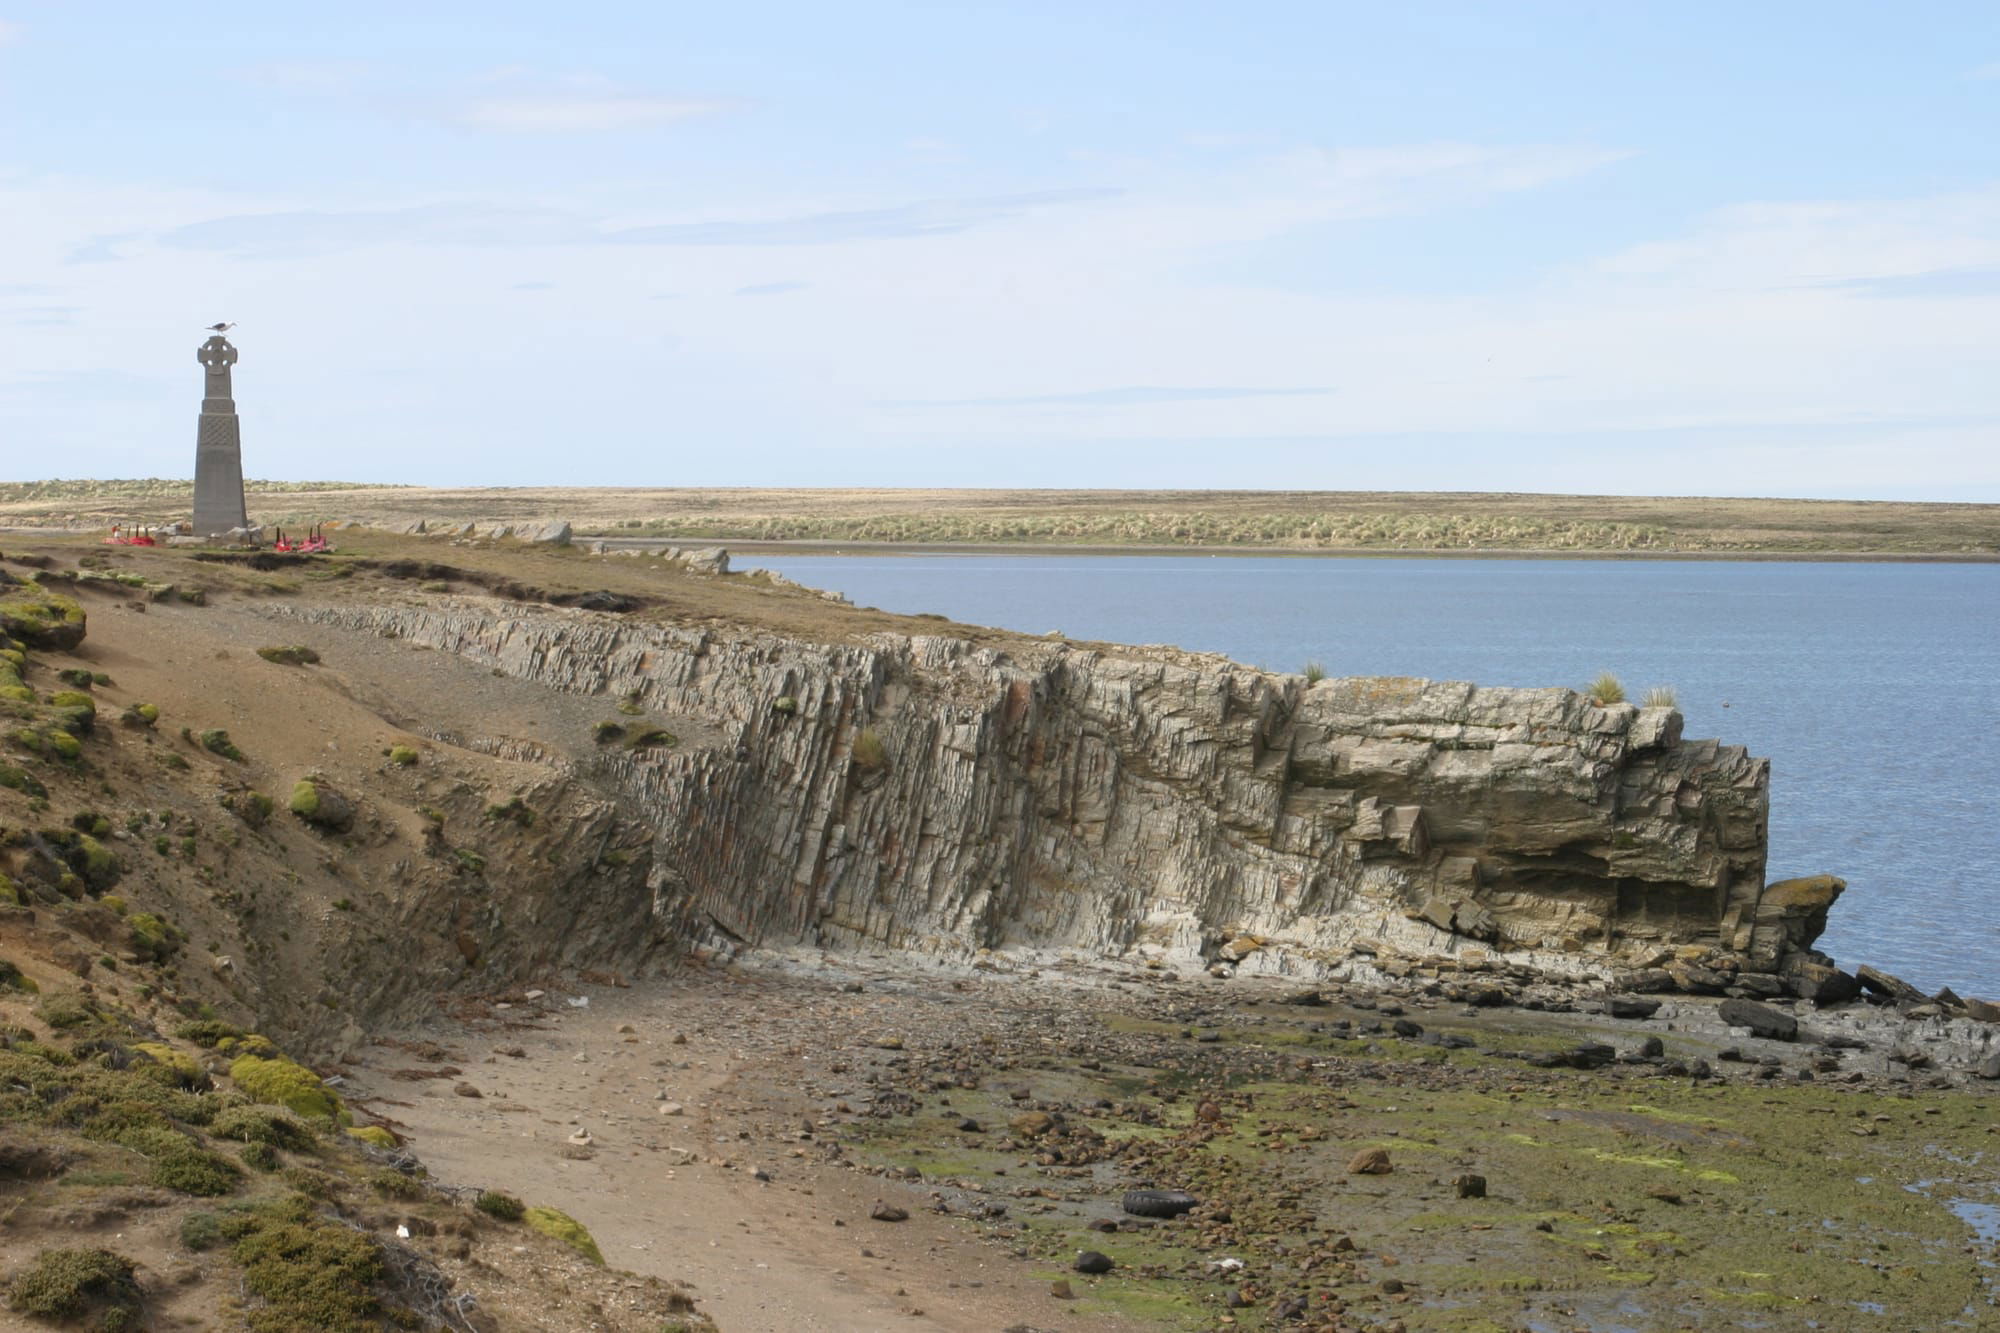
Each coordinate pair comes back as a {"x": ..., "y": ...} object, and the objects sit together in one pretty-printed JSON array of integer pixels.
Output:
[{"x": 216, "y": 354}]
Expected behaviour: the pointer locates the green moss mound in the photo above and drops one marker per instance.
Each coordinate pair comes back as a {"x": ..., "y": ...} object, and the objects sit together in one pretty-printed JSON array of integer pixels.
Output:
[
  {"x": 216, "y": 741},
  {"x": 41, "y": 619},
  {"x": 68, "y": 1284},
  {"x": 566, "y": 1229},
  {"x": 281, "y": 1082},
  {"x": 402, "y": 756},
  {"x": 373, "y": 1135}
]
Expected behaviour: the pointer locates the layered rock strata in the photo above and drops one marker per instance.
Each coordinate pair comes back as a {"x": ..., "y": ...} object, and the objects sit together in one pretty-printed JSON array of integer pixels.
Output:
[{"x": 929, "y": 793}]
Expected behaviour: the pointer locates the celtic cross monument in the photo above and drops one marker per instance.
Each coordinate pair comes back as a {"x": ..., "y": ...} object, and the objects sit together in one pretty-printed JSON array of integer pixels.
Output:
[{"x": 218, "y": 446}]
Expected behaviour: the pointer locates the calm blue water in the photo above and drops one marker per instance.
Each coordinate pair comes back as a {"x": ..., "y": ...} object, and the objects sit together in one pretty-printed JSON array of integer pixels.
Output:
[{"x": 1873, "y": 689}]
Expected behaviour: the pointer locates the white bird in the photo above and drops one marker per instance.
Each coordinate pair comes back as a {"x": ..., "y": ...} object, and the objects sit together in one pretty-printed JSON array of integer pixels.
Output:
[{"x": 220, "y": 328}]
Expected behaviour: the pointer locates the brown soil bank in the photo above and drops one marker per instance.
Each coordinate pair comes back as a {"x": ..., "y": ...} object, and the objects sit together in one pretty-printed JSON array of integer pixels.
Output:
[{"x": 1292, "y": 520}]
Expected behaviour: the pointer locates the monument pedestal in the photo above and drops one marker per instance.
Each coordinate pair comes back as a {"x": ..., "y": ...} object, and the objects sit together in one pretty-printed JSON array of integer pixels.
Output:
[{"x": 218, "y": 447}]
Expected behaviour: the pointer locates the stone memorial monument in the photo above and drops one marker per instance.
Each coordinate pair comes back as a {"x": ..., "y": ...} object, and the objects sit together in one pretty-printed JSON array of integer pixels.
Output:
[{"x": 218, "y": 446}]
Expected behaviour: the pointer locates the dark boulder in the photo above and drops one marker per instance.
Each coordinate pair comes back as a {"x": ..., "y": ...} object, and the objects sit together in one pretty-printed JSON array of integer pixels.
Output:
[
  {"x": 1631, "y": 1006},
  {"x": 1824, "y": 985},
  {"x": 1761, "y": 1019},
  {"x": 1876, "y": 982}
]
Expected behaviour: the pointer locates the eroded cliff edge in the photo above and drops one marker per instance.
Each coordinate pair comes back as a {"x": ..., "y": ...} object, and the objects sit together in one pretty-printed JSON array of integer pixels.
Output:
[{"x": 934, "y": 794}]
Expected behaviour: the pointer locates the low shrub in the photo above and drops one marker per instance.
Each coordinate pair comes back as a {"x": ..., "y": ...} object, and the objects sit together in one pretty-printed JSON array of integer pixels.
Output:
[
  {"x": 144, "y": 716},
  {"x": 216, "y": 741},
  {"x": 395, "y": 1185},
  {"x": 311, "y": 1273},
  {"x": 504, "y": 1207},
  {"x": 646, "y": 738},
  {"x": 252, "y": 807},
  {"x": 201, "y": 1231},
  {"x": 68, "y": 1284},
  {"x": 402, "y": 756},
  {"x": 607, "y": 732},
  {"x": 259, "y": 1157},
  {"x": 374, "y": 1135},
  {"x": 296, "y": 654},
  {"x": 514, "y": 810},
  {"x": 264, "y": 1124}
]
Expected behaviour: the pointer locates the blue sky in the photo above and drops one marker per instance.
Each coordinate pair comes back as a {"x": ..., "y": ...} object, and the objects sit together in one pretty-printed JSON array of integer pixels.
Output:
[{"x": 1652, "y": 248}]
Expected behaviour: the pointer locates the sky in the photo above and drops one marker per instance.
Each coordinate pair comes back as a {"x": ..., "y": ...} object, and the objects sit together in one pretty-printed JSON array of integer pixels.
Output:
[{"x": 1675, "y": 248}]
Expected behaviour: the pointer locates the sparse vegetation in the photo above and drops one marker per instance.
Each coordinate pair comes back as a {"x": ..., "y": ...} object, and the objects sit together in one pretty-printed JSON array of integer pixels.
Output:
[
  {"x": 1661, "y": 696},
  {"x": 607, "y": 732},
  {"x": 1314, "y": 673},
  {"x": 646, "y": 738},
  {"x": 503, "y": 1207},
  {"x": 514, "y": 810},
  {"x": 1605, "y": 690},
  {"x": 870, "y": 755},
  {"x": 296, "y": 654},
  {"x": 402, "y": 756},
  {"x": 216, "y": 741}
]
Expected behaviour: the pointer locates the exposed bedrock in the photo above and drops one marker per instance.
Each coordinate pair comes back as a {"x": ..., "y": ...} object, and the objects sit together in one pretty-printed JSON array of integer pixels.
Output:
[{"x": 1051, "y": 795}]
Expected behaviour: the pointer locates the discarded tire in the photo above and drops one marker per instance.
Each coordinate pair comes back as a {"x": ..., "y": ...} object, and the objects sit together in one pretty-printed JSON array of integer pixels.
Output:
[{"x": 1157, "y": 1203}]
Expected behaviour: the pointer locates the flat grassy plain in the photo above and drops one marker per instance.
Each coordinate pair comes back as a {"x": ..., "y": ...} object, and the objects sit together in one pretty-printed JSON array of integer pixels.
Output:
[{"x": 1329, "y": 522}]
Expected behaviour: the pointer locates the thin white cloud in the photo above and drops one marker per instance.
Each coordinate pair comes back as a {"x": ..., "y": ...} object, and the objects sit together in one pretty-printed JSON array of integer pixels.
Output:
[
  {"x": 579, "y": 113},
  {"x": 1991, "y": 71},
  {"x": 9, "y": 33}
]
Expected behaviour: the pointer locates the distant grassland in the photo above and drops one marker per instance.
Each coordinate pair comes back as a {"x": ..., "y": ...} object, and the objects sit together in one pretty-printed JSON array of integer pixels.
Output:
[
  {"x": 1276, "y": 520},
  {"x": 1413, "y": 531}
]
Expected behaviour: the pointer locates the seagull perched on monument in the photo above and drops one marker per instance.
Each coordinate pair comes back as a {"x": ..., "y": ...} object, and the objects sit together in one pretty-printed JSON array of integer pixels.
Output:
[{"x": 220, "y": 328}]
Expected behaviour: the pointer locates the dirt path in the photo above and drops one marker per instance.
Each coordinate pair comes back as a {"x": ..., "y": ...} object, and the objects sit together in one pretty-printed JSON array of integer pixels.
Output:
[{"x": 680, "y": 1194}]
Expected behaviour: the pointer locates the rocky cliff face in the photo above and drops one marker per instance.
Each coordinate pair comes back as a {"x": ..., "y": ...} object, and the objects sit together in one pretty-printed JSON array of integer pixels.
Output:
[{"x": 927, "y": 793}]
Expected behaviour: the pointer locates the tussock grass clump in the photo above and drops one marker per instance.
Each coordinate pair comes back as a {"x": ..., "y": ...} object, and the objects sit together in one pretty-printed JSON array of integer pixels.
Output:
[
  {"x": 870, "y": 754},
  {"x": 68, "y": 1284},
  {"x": 402, "y": 756},
  {"x": 1661, "y": 696},
  {"x": 216, "y": 741},
  {"x": 1314, "y": 673},
  {"x": 296, "y": 654},
  {"x": 1606, "y": 689}
]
